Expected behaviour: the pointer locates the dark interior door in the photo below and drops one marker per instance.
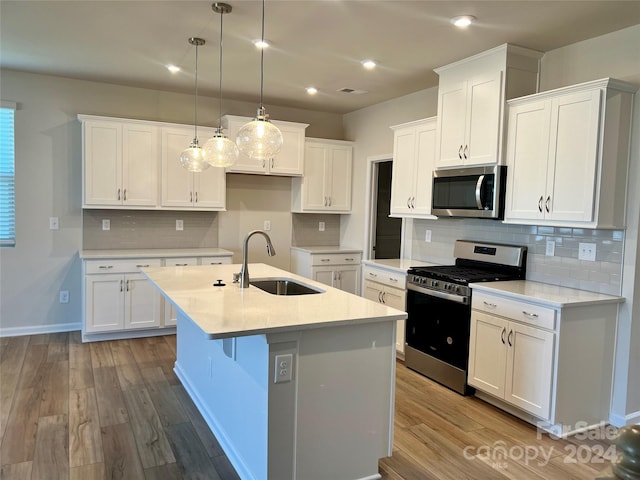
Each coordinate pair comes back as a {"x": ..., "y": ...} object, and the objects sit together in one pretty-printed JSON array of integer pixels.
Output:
[{"x": 388, "y": 230}]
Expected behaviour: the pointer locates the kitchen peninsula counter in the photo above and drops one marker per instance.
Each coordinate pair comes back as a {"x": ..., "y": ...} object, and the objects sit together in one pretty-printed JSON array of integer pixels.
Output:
[{"x": 293, "y": 387}]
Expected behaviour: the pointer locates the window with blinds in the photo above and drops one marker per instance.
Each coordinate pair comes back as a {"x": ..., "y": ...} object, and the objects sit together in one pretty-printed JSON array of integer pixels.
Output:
[{"x": 7, "y": 175}]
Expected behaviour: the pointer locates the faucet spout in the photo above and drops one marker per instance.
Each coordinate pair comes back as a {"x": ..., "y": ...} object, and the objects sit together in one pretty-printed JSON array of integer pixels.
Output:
[{"x": 244, "y": 271}]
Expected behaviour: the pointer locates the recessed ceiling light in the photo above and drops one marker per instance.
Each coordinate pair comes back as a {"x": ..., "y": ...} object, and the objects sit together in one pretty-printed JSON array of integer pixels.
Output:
[
  {"x": 368, "y": 64},
  {"x": 463, "y": 21},
  {"x": 261, "y": 43},
  {"x": 173, "y": 68},
  {"x": 312, "y": 90}
]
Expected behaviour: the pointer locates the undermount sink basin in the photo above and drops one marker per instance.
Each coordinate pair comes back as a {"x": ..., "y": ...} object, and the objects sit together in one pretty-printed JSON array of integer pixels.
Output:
[{"x": 283, "y": 286}]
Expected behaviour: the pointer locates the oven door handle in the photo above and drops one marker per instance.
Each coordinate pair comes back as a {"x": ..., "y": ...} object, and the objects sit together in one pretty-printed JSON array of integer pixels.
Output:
[
  {"x": 478, "y": 192},
  {"x": 435, "y": 293}
]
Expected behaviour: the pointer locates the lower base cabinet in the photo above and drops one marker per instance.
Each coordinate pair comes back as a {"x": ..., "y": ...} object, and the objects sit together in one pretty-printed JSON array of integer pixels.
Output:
[{"x": 331, "y": 266}]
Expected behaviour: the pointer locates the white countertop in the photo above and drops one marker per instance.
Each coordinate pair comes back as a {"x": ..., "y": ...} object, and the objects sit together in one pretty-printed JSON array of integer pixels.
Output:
[
  {"x": 154, "y": 253},
  {"x": 546, "y": 294},
  {"x": 327, "y": 249},
  {"x": 397, "y": 264},
  {"x": 230, "y": 311}
]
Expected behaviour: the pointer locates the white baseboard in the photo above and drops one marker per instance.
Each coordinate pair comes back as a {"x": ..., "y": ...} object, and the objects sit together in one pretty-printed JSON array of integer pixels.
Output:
[
  {"x": 624, "y": 420},
  {"x": 36, "y": 330},
  {"x": 123, "y": 334}
]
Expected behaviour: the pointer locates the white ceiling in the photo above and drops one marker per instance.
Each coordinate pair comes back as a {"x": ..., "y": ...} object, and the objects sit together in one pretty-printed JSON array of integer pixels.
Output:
[{"x": 315, "y": 42}]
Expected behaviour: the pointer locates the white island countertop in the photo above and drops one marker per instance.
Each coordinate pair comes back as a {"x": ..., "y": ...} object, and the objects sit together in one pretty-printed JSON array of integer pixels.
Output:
[
  {"x": 154, "y": 253},
  {"x": 545, "y": 294},
  {"x": 400, "y": 265},
  {"x": 229, "y": 311}
]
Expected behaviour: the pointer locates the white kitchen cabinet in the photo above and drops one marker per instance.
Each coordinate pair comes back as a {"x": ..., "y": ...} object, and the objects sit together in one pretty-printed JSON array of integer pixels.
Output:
[
  {"x": 185, "y": 190},
  {"x": 413, "y": 164},
  {"x": 120, "y": 162},
  {"x": 568, "y": 155},
  {"x": 120, "y": 299},
  {"x": 328, "y": 265},
  {"x": 530, "y": 345},
  {"x": 326, "y": 184},
  {"x": 288, "y": 162},
  {"x": 471, "y": 103},
  {"x": 389, "y": 288}
]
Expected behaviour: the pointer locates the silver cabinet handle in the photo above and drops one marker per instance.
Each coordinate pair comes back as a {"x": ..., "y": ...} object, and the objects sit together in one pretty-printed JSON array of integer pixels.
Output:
[
  {"x": 532, "y": 315},
  {"x": 118, "y": 194},
  {"x": 393, "y": 279},
  {"x": 263, "y": 163},
  {"x": 325, "y": 259},
  {"x": 181, "y": 264},
  {"x": 460, "y": 152},
  {"x": 272, "y": 163},
  {"x": 142, "y": 266},
  {"x": 466, "y": 151},
  {"x": 191, "y": 197},
  {"x": 127, "y": 285},
  {"x": 196, "y": 197},
  {"x": 325, "y": 201},
  {"x": 215, "y": 263},
  {"x": 348, "y": 259},
  {"x": 379, "y": 297},
  {"x": 330, "y": 202},
  {"x": 371, "y": 274},
  {"x": 125, "y": 195},
  {"x": 106, "y": 266},
  {"x": 492, "y": 305},
  {"x": 413, "y": 202},
  {"x": 384, "y": 300},
  {"x": 409, "y": 202},
  {"x": 540, "y": 203},
  {"x": 479, "y": 191},
  {"x": 510, "y": 337},
  {"x": 504, "y": 330},
  {"x": 121, "y": 288},
  {"x": 546, "y": 203}
]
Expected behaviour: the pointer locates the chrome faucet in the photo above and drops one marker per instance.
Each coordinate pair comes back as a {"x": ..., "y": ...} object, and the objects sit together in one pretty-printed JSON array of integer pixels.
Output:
[{"x": 244, "y": 271}]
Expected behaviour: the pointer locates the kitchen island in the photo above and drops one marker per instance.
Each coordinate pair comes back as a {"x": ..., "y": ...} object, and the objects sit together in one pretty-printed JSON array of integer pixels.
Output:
[{"x": 293, "y": 387}]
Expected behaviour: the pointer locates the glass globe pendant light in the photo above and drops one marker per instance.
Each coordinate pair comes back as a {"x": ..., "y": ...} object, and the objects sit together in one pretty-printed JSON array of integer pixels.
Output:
[
  {"x": 192, "y": 158},
  {"x": 260, "y": 139},
  {"x": 219, "y": 151}
]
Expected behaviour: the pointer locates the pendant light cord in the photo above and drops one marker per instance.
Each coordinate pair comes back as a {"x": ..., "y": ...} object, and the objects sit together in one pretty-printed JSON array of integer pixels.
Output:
[
  {"x": 220, "y": 70},
  {"x": 195, "y": 101},
  {"x": 262, "y": 57}
]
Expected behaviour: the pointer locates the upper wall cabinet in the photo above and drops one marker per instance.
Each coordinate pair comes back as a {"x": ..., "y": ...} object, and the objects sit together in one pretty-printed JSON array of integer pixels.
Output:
[
  {"x": 471, "y": 103},
  {"x": 414, "y": 147},
  {"x": 288, "y": 162},
  {"x": 185, "y": 190},
  {"x": 326, "y": 184},
  {"x": 120, "y": 163},
  {"x": 568, "y": 156}
]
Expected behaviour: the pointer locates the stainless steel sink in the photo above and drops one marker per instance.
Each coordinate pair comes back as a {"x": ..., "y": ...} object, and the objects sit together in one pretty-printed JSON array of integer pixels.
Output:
[{"x": 283, "y": 286}]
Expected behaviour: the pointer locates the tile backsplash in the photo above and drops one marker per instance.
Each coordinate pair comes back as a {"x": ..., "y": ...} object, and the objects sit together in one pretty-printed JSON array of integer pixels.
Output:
[
  {"x": 563, "y": 268},
  {"x": 305, "y": 230},
  {"x": 148, "y": 229}
]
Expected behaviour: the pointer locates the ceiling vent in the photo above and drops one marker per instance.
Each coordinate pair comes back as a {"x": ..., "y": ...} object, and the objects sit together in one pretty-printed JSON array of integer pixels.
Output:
[{"x": 352, "y": 91}]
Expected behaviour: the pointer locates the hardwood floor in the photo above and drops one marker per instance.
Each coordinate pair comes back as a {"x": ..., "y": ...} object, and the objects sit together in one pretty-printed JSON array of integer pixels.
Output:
[{"x": 115, "y": 410}]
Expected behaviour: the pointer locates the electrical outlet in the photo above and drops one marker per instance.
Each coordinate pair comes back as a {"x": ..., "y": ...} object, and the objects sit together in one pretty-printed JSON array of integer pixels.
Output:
[
  {"x": 106, "y": 224},
  {"x": 54, "y": 224},
  {"x": 587, "y": 251},
  {"x": 64, "y": 296},
  {"x": 179, "y": 225},
  {"x": 267, "y": 225},
  {"x": 427, "y": 235},
  {"x": 551, "y": 248},
  {"x": 284, "y": 366},
  {"x": 321, "y": 226}
]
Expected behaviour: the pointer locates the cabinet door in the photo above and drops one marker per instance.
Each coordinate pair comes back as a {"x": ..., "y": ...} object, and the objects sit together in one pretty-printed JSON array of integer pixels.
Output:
[
  {"x": 403, "y": 178},
  {"x": 452, "y": 105},
  {"x": 573, "y": 156},
  {"x": 530, "y": 369},
  {"x": 102, "y": 163},
  {"x": 488, "y": 353},
  {"x": 483, "y": 113},
  {"x": 339, "y": 178},
  {"x": 348, "y": 279},
  {"x": 315, "y": 172},
  {"x": 142, "y": 303},
  {"x": 424, "y": 165},
  {"x": 104, "y": 303},
  {"x": 177, "y": 182},
  {"x": 290, "y": 159},
  {"x": 324, "y": 275},
  {"x": 210, "y": 189},
  {"x": 140, "y": 165},
  {"x": 527, "y": 156},
  {"x": 372, "y": 291}
]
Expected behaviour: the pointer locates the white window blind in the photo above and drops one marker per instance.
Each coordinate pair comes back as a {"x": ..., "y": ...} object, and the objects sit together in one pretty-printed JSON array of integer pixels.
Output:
[{"x": 7, "y": 175}]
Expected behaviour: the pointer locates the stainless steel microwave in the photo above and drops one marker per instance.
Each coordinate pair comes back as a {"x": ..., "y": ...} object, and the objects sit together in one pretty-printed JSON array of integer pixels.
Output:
[{"x": 476, "y": 192}]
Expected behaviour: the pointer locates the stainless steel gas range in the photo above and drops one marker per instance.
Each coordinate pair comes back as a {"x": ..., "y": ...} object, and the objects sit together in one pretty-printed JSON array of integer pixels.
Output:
[{"x": 439, "y": 308}]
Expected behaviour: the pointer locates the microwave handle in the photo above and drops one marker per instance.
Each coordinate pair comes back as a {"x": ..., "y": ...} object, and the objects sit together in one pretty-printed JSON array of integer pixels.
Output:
[{"x": 478, "y": 192}]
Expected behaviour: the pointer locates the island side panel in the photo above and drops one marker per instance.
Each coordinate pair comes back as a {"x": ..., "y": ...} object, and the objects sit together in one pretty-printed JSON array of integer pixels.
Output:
[
  {"x": 345, "y": 399},
  {"x": 228, "y": 381}
]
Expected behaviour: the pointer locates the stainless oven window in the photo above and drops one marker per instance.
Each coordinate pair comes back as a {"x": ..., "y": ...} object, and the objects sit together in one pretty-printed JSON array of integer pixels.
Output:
[{"x": 439, "y": 328}]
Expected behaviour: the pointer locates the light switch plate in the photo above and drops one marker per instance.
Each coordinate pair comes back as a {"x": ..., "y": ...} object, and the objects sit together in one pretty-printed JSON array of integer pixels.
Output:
[
  {"x": 54, "y": 224},
  {"x": 106, "y": 224},
  {"x": 321, "y": 226},
  {"x": 267, "y": 225},
  {"x": 551, "y": 248},
  {"x": 179, "y": 225},
  {"x": 427, "y": 235}
]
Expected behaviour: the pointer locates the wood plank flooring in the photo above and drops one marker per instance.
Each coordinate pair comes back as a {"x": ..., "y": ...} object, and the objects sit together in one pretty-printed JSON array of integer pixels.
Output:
[{"x": 115, "y": 410}]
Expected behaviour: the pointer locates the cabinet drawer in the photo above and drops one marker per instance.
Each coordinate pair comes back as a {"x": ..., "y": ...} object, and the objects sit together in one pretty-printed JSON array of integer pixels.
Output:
[
  {"x": 537, "y": 315},
  {"x": 120, "y": 266},
  {"x": 215, "y": 261},
  {"x": 336, "y": 259},
  {"x": 181, "y": 262},
  {"x": 392, "y": 279}
]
